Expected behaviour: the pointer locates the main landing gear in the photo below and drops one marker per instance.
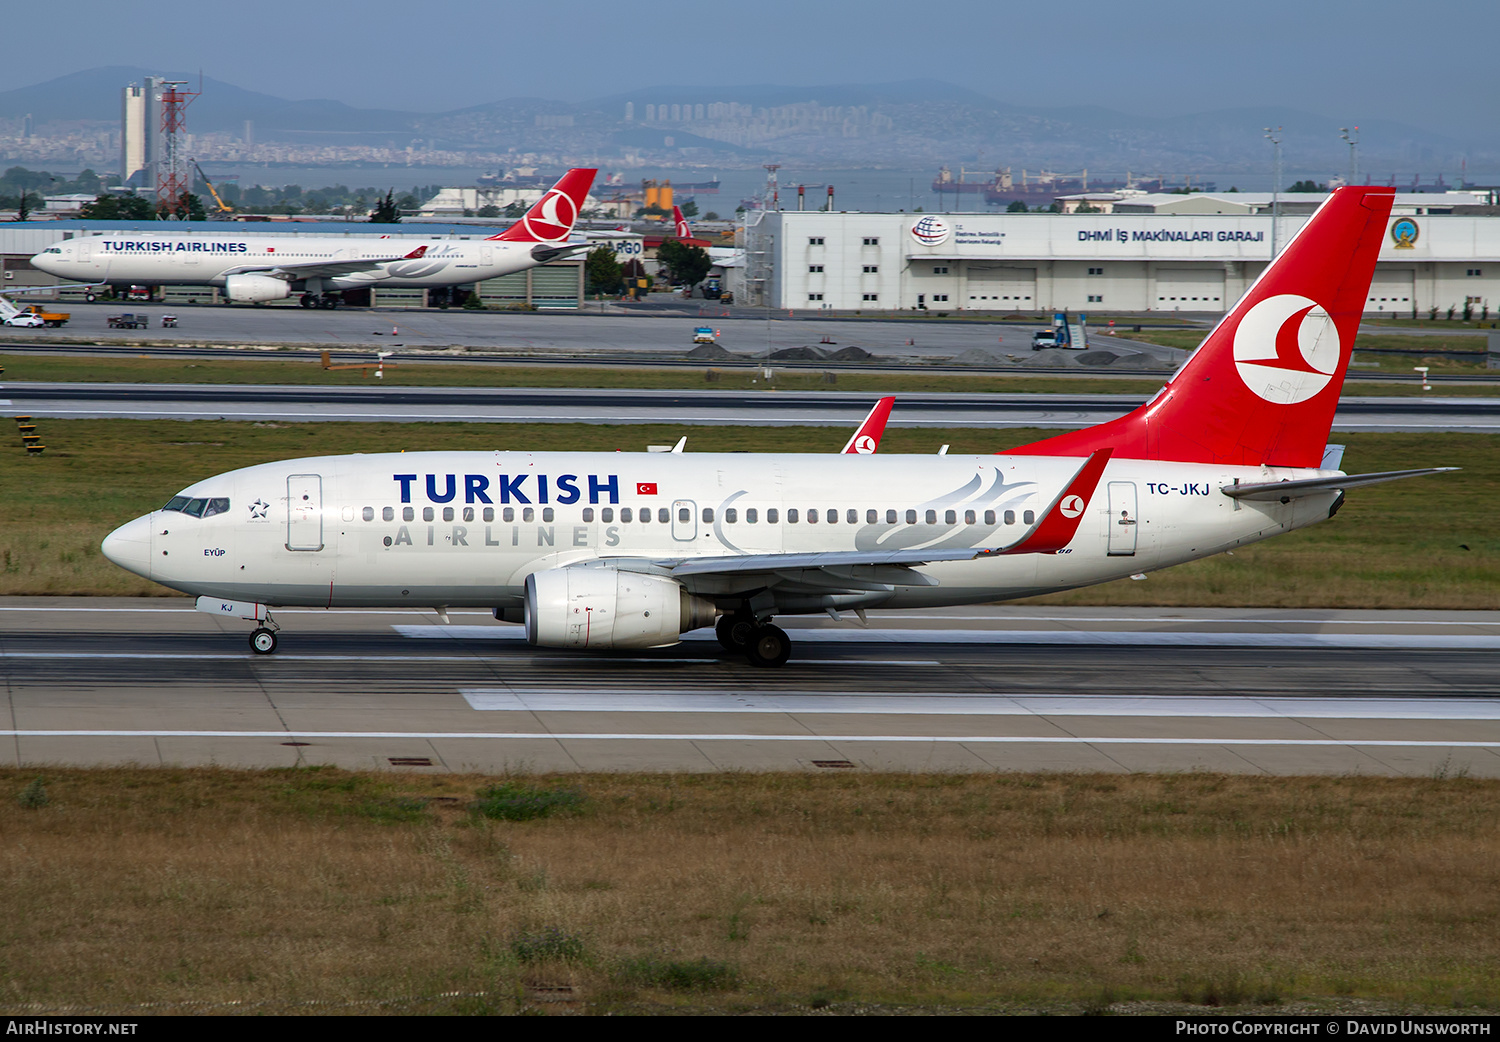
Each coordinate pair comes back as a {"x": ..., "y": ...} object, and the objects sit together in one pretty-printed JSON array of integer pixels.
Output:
[
  {"x": 762, "y": 644},
  {"x": 263, "y": 638},
  {"x": 317, "y": 300}
]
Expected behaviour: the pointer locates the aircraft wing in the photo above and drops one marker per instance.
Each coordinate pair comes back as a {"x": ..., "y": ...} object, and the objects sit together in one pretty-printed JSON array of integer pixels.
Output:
[
  {"x": 324, "y": 269},
  {"x": 857, "y": 569},
  {"x": 1285, "y": 490}
]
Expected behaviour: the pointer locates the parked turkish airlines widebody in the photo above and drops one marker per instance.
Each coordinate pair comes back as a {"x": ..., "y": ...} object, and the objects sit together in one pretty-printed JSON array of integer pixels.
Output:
[
  {"x": 630, "y": 550},
  {"x": 258, "y": 268}
]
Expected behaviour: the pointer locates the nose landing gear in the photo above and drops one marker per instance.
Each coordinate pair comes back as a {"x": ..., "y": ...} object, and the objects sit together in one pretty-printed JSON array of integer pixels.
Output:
[{"x": 263, "y": 637}]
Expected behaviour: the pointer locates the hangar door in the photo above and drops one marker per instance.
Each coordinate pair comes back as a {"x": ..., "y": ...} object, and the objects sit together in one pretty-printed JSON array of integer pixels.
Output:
[
  {"x": 1392, "y": 291},
  {"x": 997, "y": 288},
  {"x": 1189, "y": 289}
]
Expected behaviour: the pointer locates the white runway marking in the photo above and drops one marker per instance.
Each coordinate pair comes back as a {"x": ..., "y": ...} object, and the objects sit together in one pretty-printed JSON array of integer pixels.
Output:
[
  {"x": 803, "y": 737},
  {"x": 1132, "y": 638},
  {"x": 563, "y": 700}
]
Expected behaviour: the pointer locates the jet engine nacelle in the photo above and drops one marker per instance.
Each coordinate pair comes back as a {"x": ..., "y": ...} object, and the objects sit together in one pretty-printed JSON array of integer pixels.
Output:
[
  {"x": 255, "y": 288},
  {"x": 600, "y": 606}
]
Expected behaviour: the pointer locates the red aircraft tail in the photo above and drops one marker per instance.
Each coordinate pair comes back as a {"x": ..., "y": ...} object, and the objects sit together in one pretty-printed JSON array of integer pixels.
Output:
[
  {"x": 551, "y": 220},
  {"x": 1263, "y": 386},
  {"x": 683, "y": 230}
]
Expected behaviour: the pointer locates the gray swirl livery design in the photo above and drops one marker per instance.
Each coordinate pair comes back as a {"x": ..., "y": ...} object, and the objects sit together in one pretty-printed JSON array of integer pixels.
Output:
[
  {"x": 255, "y": 269},
  {"x": 631, "y": 550}
]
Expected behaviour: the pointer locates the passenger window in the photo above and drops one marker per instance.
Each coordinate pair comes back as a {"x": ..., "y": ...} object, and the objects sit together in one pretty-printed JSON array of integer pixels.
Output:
[
  {"x": 731, "y": 516},
  {"x": 872, "y": 516},
  {"x": 607, "y": 514},
  {"x": 468, "y": 513},
  {"x": 1010, "y": 517},
  {"x": 989, "y": 517},
  {"x": 684, "y": 514},
  {"x": 1029, "y": 517},
  {"x": 387, "y": 513},
  {"x": 645, "y": 515},
  {"x": 588, "y": 514},
  {"x": 407, "y": 514},
  {"x": 489, "y": 513},
  {"x": 968, "y": 517},
  {"x": 791, "y": 516},
  {"x": 626, "y": 514},
  {"x": 546, "y": 513},
  {"x": 911, "y": 517},
  {"x": 852, "y": 516},
  {"x": 833, "y": 516},
  {"x": 708, "y": 515},
  {"x": 812, "y": 517},
  {"x": 508, "y": 514},
  {"x": 890, "y": 517},
  {"x": 369, "y": 513},
  {"x": 772, "y": 515},
  {"x": 447, "y": 513},
  {"x": 950, "y": 517},
  {"x": 663, "y": 515},
  {"x": 932, "y": 517},
  {"x": 528, "y": 514},
  {"x": 751, "y": 515},
  {"x": 427, "y": 514}
]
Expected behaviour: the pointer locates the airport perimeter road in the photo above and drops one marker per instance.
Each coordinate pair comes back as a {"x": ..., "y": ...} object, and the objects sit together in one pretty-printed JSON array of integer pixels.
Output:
[
  {"x": 91, "y": 682},
  {"x": 611, "y": 332},
  {"x": 778, "y": 408}
]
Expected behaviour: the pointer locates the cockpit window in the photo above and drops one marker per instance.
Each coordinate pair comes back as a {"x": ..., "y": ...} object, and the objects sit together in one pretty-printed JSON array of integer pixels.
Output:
[{"x": 198, "y": 507}]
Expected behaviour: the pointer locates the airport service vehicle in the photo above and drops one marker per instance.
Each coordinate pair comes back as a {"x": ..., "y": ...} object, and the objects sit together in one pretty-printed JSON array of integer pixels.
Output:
[
  {"x": 1043, "y": 338},
  {"x": 705, "y": 335},
  {"x": 260, "y": 268},
  {"x": 599, "y": 550},
  {"x": 129, "y": 321},
  {"x": 13, "y": 315}
]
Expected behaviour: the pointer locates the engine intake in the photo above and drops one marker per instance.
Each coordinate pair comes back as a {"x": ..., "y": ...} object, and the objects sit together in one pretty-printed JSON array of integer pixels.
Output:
[
  {"x": 599, "y": 606},
  {"x": 256, "y": 288}
]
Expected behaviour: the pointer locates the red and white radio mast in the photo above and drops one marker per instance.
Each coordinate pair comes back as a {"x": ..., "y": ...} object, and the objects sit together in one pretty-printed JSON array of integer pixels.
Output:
[{"x": 172, "y": 178}]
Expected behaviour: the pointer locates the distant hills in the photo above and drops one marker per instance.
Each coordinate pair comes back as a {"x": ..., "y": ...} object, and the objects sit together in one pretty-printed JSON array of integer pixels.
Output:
[{"x": 916, "y": 121}]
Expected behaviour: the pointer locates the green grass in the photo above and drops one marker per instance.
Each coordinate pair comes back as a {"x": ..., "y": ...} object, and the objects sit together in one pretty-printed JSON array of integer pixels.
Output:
[{"x": 1425, "y": 543}]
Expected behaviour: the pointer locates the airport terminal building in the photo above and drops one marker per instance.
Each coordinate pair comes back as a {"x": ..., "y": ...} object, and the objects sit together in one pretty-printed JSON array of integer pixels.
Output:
[{"x": 1115, "y": 262}]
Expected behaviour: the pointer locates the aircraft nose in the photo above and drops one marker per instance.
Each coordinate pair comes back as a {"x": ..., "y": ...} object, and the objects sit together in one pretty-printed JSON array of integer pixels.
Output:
[
  {"x": 46, "y": 262},
  {"x": 129, "y": 546}
]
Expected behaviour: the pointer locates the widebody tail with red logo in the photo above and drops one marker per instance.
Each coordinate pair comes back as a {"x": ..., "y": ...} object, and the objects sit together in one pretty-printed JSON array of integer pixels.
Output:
[{"x": 630, "y": 550}]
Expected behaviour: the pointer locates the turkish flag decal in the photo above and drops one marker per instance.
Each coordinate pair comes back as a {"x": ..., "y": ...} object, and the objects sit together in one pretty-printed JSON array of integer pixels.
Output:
[{"x": 645, "y": 488}]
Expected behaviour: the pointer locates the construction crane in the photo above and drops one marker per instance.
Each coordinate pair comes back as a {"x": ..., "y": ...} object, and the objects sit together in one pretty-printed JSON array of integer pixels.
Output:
[{"x": 223, "y": 208}]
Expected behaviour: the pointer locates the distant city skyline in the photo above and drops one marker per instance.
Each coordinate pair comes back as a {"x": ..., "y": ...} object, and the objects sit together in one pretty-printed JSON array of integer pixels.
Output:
[{"x": 1354, "y": 64}]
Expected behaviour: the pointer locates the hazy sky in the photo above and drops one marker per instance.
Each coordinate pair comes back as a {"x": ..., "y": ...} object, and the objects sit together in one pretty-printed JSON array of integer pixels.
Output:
[{"x": 1432, "y": 64}]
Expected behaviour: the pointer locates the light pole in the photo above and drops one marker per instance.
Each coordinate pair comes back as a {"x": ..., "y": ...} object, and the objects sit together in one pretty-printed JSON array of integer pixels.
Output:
[
  {"x": 1274, "y": 136},
  {"x": 1351, "y": 135}
]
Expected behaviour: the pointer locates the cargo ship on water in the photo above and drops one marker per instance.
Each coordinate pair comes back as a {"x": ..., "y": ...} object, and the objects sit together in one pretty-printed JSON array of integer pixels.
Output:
[{"x": 1043, "y": 186}]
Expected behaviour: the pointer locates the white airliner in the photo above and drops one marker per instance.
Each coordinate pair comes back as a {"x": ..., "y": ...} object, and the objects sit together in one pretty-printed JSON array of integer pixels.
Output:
[
  {"x": 257, "y": 268},
  {"x": 631, "y": 550}
]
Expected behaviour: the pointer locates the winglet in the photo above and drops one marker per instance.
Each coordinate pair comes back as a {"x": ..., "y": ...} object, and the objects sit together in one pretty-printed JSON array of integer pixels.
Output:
[
  {"x": 416, "y": 254},
  {"x": 551, "y": 219},
  {"x": 866, "y": 439},
  {"x": 1061, "y": 520}
]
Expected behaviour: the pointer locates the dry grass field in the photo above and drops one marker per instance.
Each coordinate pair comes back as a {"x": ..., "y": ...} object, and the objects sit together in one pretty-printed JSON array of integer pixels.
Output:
[{"x": 322, "y": 891}]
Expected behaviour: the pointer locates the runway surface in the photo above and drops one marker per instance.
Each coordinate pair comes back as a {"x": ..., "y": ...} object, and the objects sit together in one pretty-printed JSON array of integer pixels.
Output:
[
  {"x": 782, "y": 408},
  {"x": 988, "y": 688}
]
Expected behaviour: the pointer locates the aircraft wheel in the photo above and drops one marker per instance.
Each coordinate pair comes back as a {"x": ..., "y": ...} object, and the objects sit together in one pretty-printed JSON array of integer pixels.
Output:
[
  {"x": 89, "y": 297},
  {"x": 769, "y": 646},
  {"x": 308, "y": 300},
  {"x": 263, "y": 641},
  {"x": 734, "y": 631}
]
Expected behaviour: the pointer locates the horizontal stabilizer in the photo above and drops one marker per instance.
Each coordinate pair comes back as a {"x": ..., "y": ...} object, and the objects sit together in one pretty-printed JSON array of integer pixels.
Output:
[{"x": 1285, "y": 490}]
